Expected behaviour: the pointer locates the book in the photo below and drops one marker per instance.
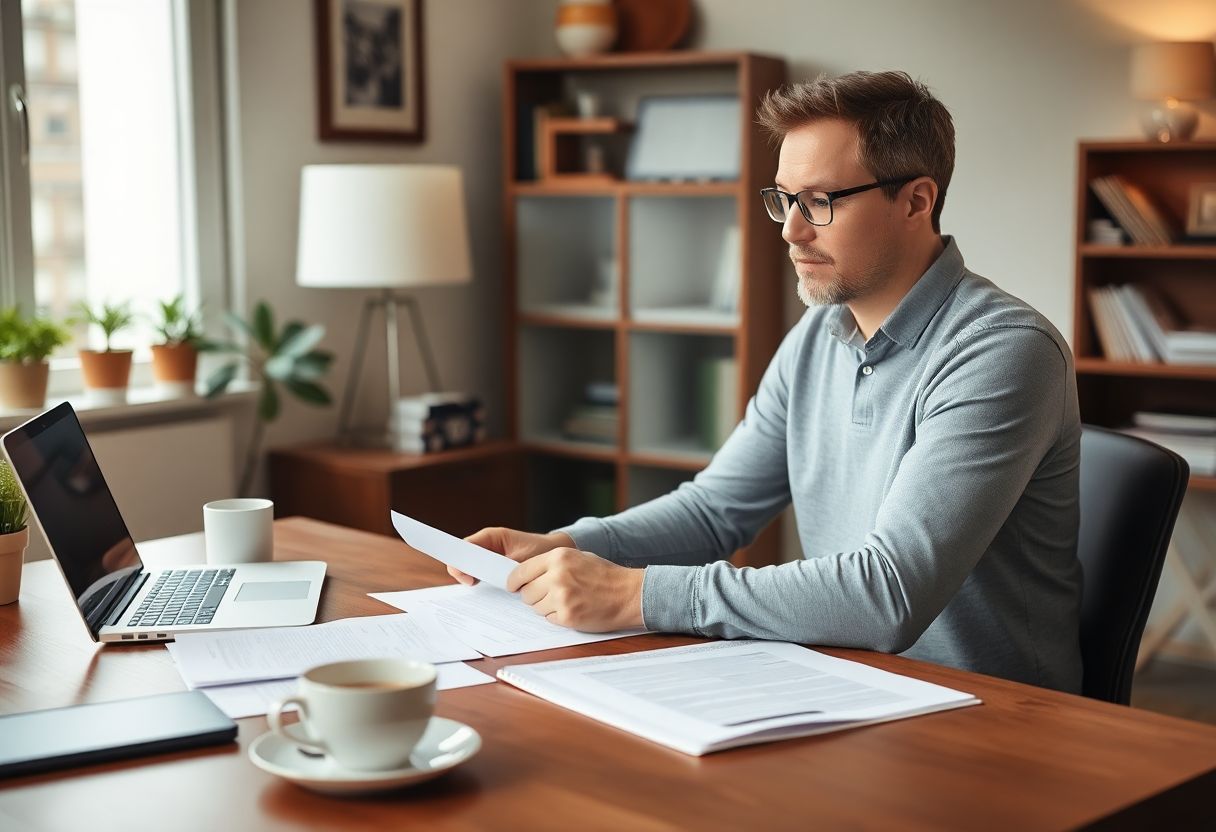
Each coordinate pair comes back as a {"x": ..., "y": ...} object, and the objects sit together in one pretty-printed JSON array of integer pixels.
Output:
[
  {"x": 717, "y": 392},
  {"x": 1174, "y": 341},
  {"x": 710, "y": 697},
  {"x": 1200, "y": 423},
  {"x": 1198, "y": 451}
]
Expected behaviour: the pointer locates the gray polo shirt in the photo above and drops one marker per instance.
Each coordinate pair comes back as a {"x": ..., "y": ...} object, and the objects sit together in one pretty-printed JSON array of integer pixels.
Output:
[{"x": 933, "y": 471}]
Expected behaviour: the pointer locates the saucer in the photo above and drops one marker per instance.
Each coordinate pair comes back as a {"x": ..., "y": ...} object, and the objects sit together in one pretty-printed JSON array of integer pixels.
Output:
[{"x": 445, "y": 744}]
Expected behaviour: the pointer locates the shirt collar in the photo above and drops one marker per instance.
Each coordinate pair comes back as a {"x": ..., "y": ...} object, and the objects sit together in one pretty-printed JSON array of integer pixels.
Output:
[{"x": 911, "y": 316}]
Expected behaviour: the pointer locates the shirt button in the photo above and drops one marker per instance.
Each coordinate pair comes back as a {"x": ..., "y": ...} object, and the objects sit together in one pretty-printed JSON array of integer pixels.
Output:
[{"x": 867, "y": 370}]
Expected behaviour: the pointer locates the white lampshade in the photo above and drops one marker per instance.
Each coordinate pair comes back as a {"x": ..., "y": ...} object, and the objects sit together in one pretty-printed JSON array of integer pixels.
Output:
[
  {"x": 382, "y": 226},
  {"x": 1184, "y": 70}
]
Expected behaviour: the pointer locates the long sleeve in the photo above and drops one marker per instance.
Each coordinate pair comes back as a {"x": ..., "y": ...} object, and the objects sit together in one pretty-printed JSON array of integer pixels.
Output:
[
  {"x": 727, "y": 504},
  {"x": 985, "y": 420}
]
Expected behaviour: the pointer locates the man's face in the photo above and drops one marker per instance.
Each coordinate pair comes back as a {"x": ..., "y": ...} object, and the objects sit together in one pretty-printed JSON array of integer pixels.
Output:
[{"x": 854, "y": 255}]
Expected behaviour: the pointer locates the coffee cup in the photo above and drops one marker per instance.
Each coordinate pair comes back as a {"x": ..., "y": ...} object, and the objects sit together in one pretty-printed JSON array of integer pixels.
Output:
[
  {"x": 367, "y": 715},
  {"x": 239, "y": 531}
]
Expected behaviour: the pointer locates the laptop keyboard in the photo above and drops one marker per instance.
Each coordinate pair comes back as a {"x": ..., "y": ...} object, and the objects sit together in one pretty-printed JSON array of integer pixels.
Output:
[{"x": 183, "y": 596}]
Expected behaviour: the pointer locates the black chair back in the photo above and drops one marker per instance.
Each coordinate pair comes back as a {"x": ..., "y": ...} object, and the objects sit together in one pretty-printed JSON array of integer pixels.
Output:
[{"x": 1131, "y": 491}]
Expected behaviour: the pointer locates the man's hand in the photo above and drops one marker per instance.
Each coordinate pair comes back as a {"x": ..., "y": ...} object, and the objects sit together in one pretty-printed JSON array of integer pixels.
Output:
[
  {"x": 580, "y": 590},
  {"x": 514, "y": 544}
]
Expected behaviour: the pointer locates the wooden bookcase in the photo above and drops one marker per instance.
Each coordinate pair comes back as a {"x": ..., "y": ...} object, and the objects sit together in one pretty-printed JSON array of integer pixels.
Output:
[
  {"x": 1185, "y": 273},
  {"x": 661, "y": 243}
]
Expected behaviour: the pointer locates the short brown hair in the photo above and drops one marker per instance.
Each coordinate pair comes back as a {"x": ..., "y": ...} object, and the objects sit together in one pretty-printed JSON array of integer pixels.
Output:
[{"x": 903, "y": 130}]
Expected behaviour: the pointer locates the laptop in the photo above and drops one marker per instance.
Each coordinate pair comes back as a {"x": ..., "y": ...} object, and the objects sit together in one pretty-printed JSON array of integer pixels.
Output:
[{"x": 119, "y": 598}]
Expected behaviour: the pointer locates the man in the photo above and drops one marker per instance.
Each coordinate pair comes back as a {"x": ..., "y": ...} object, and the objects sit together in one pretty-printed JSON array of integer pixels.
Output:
[{"x": 923, "y": 423}]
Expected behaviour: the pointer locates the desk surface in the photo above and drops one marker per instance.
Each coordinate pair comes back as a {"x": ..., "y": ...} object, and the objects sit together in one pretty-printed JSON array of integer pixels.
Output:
[{"x": 1025, "y": 759}]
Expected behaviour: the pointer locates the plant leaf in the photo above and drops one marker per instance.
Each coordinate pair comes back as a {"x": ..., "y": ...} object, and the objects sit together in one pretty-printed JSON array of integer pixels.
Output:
[
  {"x": 219, "y": 380},
  {"x": 263, "y": 326},
  {"x": 308, "y": 392},
  {"x": 289, "y": 331},
  {"x": 301, "y": 342},
  {"x": 238, "y": 323},
  {"x": 268, "y": 403},
  {"x": 312, "y": 367},
  {"x": 280, "y": 367}
]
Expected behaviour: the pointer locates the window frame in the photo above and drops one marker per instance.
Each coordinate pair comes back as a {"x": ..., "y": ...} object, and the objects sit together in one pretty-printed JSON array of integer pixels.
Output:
[{"x": 201, "y": 73}]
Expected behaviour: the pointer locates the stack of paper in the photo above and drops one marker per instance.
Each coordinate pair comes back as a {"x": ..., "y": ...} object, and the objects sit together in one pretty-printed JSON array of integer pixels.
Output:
[
  {"x": 709, "y": 697},
  {"x": 224, "y": 664}
]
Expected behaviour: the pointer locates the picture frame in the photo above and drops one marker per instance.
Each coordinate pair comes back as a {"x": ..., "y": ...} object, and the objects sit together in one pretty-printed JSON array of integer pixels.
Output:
[
  {"x": 1201, "y": 216},
  {"x": 370, "y": 70}
]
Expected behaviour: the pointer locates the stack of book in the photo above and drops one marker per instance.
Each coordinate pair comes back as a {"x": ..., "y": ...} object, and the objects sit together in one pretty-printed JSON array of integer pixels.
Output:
[
  {"x": 436, "y": 422},
  {"x": 1134, "y": 211},
  {"x": 1191, "y": 436},
  {"x": 597, "y": 417},
  {"x": 1137, "y": 324}
]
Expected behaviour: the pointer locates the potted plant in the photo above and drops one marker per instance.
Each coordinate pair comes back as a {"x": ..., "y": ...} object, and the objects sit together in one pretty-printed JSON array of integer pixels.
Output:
[
  {"x": 175, "y": 359},
  {"x": 25, "y": 344},
  {"x": 14, "y": 534},
  {"x": 274, "y": 357},
  {"x": 107, "y": 372}
]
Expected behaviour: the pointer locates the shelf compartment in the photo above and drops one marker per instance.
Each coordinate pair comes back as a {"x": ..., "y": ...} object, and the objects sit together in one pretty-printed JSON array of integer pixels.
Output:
[
  {"x": 555, "y": 367},
  {"x": 685, "y": 261},
  {"x": 645, "y": 483},
  {"x": 672, "y": 413},
  {"x": 561, "y": 490},
  {"x": 566, "y": 253},
  {"x": 1129, "y": 369},
  {"x": 1130, "y": 252}
]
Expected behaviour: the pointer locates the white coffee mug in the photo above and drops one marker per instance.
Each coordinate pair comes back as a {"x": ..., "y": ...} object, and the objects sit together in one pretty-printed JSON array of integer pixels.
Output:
[
  {"x": 239, "y": 531},
  {"x": 366, "y": 714}
]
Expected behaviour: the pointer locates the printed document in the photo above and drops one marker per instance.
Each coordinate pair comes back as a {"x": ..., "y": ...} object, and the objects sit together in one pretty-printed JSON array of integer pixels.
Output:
[
  {"x": 469, "y": 558},
  {"x": 205, "y": 659},
  {"x": 255, "y": 698},
  {"x": 708, "y": 697},
  {"x": 492, "y": 621}
]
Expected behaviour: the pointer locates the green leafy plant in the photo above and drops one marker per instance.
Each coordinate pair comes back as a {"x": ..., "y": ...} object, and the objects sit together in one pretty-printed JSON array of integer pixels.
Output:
[
  {"x": 110, "y": 318},
  {"x": 13, "y": 508},
  {"x": 285, "y": 357},
  {"x": 176, "y": 326},
  {"x": 29, "y": 340}
]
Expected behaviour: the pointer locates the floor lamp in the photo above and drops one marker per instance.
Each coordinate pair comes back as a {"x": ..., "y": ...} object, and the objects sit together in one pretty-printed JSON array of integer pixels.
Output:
[{"x": 386, "y": 227}]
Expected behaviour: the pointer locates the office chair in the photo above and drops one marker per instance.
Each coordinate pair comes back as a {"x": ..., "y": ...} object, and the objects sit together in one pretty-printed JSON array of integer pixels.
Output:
[{"x": 1131, "y": 491}]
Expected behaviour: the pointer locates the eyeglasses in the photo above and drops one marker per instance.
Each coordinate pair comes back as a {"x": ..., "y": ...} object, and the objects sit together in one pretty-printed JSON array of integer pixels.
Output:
[{"x": 816, "y": 206}]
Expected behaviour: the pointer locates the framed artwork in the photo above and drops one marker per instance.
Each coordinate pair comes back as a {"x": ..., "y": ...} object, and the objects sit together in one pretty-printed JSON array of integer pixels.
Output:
[
  {"x": 369, "y": 70},
  {"x": 1201, "y": 219}
]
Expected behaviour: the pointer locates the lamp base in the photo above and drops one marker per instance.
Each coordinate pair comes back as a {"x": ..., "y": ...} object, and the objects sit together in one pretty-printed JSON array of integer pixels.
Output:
[{"x": 1171, "y": 121}]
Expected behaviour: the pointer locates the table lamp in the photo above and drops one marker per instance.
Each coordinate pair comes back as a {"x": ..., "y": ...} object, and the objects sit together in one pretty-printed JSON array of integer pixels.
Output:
[
  {"x": 1173, "y": 74},
  {"x": 385, "y": 227}
]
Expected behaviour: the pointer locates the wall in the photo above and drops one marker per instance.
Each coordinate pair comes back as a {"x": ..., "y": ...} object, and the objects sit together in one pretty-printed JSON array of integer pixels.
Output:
[{"x": 274, "y": 103}]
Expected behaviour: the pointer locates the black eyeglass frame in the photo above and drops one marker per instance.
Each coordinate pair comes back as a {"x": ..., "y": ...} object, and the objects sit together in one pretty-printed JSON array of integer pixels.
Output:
[{"x": 796, "y": 199}]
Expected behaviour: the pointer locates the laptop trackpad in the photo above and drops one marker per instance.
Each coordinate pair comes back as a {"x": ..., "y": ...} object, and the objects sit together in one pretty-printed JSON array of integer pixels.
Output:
[{"x": 273, "y": 591}]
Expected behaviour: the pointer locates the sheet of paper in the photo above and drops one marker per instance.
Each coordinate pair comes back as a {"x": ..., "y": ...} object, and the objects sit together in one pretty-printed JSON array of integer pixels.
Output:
[
  {"x": 469, "y": 558},
  {"x": 707, "y": 697},
  {"x": 255, "y": 698},
  {"x": 492, "y": 621},
  {"x": 223, "y": 658}
]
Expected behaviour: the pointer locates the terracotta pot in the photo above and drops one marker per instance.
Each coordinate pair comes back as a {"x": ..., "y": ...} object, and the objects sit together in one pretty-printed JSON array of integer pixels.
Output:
[
  {"x": 12, "y": 553},
  {"x": 106, "y": 370},
  {"x": 23, "y": 385},
  {"x": 174, "y": 365}
]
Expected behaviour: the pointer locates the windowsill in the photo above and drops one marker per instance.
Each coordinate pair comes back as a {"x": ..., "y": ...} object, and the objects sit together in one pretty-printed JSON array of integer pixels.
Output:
[{"x": 141, "y": 403}]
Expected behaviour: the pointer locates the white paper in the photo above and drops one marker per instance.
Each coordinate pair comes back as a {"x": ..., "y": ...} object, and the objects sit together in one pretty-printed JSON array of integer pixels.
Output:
[
  {"x": 255, "y": 698},
  {"x": 707, "y": 697},
  {"x": 492, "y": 621},
  {"x": 469, "y": 558},
  {"x": 205, "y": 659}
]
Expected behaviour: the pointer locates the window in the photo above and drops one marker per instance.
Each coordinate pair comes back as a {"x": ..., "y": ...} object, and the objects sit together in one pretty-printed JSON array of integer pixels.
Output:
[{"x": 122, "y": 185}]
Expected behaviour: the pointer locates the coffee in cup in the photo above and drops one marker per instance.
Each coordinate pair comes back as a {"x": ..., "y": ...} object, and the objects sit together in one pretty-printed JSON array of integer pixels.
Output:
[{"x": 366, "y": 714}]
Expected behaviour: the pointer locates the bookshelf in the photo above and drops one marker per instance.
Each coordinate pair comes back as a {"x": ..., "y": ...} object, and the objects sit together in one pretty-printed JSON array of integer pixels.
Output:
[
  {"x": 1183, "y": 273},
  {"x": 619, "y": 281}
]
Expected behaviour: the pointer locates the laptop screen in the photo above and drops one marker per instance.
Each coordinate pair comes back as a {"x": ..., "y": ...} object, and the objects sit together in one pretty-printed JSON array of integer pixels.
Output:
[{"x": 66, "y": 490}]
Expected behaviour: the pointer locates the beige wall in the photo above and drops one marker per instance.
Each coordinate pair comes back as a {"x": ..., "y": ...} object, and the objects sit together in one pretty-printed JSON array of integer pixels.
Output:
[{"x": 466, "y": 43}]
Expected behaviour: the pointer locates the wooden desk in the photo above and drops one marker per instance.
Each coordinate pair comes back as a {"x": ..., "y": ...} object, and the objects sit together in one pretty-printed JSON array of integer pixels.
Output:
[
  {"x": 1025, "y": 759},
  {"x": 356, "y": 487}
]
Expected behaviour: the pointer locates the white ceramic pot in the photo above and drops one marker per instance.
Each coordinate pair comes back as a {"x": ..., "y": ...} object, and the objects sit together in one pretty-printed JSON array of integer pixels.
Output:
[
  {"x": 12, "y": 554},
  {"x": 585, "y": 28}
]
